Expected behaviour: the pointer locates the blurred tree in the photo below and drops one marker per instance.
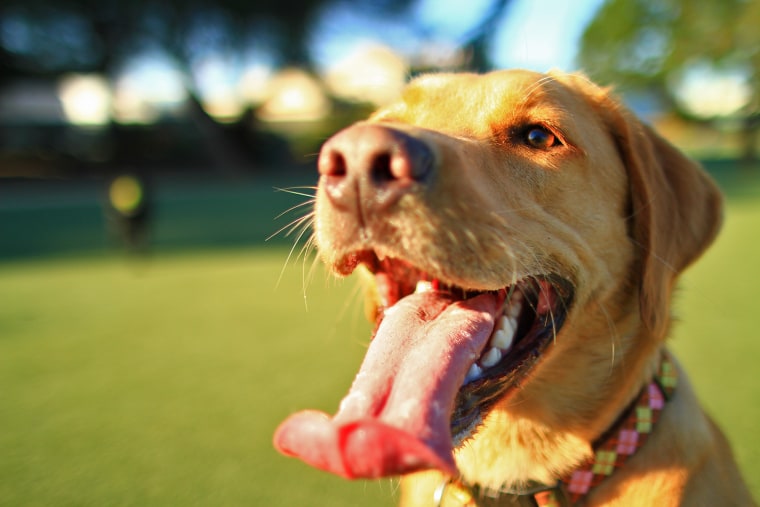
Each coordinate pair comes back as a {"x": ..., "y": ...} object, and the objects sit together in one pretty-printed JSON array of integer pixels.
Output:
[
  {"x": 651, "y": 44},
  {"x": 478, "y": 41},
  {"x": 48, "y": 38}
]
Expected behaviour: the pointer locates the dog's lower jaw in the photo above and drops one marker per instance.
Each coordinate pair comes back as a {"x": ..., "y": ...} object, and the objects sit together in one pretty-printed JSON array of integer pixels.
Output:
[
  {"x": 510, "y": 452},
  {"x": 513, "y": 447},
  {"x": 506, "y": 453}
]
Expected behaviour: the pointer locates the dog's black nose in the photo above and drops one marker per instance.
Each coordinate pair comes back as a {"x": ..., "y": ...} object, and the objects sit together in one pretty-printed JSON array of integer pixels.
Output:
[{"x": 366, "y": 168}]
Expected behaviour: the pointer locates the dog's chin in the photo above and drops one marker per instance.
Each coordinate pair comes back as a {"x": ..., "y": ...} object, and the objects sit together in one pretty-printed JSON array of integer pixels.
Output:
[{"x": 530, "y": 313}]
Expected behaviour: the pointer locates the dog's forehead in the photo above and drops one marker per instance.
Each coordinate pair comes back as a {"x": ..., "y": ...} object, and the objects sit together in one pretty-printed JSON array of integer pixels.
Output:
[{"x": 471, "y": 103}]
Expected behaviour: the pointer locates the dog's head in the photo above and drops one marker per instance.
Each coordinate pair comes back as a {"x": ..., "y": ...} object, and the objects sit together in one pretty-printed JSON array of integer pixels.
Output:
[{"x": 515, "y": 227}]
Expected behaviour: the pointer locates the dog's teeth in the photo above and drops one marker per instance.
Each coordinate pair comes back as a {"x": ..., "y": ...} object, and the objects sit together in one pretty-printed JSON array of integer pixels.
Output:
[
  {"x": 508, "y": 325},
  {"x": 491, "y": 358},
  {"x": 423, "y": 286},
  {"x": 474, "y": 373},
  {"x": 514, "y": 309},
  {"x": 502, "y": 339}
]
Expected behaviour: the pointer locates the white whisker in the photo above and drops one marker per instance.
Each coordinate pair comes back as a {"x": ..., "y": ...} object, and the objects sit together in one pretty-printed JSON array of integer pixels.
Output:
[{"x": 298, "y": 227}]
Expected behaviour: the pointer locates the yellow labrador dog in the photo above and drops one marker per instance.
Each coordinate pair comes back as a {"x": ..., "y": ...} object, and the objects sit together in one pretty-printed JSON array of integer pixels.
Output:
[{"x": 522, "y": 234}]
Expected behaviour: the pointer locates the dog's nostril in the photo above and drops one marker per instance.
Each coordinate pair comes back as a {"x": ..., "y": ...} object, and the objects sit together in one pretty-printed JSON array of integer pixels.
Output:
[
  {"x": 338, "y": 164},
  {"x": 381, "y": 171},
  {"x": 332, "y": 163},
  {"x": 414, "y": 161}
]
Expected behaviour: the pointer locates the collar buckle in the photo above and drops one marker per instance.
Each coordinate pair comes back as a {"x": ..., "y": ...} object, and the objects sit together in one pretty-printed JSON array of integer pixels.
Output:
[{"x": 453, "y": 492}]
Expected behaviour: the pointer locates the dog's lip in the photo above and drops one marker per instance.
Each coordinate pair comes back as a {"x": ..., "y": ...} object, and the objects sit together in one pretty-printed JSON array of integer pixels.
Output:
[{"x": 396, "y": 278}]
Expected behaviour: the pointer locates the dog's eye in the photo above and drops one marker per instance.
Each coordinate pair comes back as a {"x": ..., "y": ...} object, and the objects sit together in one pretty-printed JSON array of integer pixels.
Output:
[{"x": 540, "y": 138}]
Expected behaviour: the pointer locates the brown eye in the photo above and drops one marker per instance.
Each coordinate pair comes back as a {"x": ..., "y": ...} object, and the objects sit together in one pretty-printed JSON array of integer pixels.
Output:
[{"x": 540, "y": 138}]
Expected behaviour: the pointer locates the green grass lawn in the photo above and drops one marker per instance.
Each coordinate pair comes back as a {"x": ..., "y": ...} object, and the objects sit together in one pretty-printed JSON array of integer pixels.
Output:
[
  {"x": 717, "y": 338},
  {"x": 160, "y": 382}
]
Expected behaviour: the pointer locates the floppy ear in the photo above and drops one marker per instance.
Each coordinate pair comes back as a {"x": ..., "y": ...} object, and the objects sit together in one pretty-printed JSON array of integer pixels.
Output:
[{"x": 676, "y": 213}]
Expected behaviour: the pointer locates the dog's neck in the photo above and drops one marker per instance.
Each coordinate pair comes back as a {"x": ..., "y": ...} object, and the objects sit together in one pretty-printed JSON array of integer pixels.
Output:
[{"x": 611, "y": 451}]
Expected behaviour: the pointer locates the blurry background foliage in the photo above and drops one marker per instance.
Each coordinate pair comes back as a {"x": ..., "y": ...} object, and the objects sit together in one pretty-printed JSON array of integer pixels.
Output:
[
  {"x": 91, "y": 87},
  {"x": 151, "y": 338},
  {"x": 701, "y": 58},
  {"x": 130, "y": 71}
]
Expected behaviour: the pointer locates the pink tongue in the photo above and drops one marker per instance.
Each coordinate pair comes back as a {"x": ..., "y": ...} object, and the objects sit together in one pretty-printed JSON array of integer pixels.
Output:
[{"x": 395, "y": 418}]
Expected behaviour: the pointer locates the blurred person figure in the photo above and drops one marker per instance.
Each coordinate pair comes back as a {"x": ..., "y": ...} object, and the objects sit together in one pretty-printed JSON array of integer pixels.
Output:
[{"x": 128, "y": 211}]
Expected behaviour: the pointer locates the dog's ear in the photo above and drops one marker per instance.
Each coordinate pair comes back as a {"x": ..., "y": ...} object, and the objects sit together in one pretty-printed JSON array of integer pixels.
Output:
[{"x": 676, "y": 212}]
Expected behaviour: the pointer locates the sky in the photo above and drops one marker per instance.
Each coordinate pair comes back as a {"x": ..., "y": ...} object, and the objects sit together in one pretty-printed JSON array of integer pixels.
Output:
[{"x": 539, "y": 35}]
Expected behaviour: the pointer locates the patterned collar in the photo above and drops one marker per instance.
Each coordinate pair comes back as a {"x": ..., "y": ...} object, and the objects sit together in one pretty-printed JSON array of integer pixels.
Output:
[{"x": 611, "y": 451}]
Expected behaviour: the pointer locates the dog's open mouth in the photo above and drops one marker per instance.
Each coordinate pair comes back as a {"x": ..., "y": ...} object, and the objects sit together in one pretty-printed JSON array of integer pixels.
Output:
[{"x": 441, "y": 357}]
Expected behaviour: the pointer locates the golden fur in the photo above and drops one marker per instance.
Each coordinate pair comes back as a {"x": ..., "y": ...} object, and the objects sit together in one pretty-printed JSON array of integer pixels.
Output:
[{"x": 616, "y": 210}]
